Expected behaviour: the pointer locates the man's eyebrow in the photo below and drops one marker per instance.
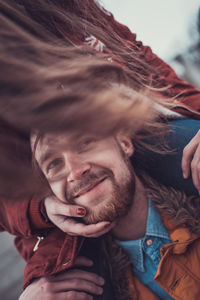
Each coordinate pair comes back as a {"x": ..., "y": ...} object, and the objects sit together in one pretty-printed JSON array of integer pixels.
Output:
[{"x": 45, "y": 156}]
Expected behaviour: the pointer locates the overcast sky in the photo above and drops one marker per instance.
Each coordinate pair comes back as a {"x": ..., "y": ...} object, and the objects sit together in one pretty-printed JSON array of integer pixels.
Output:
[{"x": 162, "y": 24}]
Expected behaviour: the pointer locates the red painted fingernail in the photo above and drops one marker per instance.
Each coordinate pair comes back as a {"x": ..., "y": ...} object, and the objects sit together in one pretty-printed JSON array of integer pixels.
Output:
[{"x": 81, "y": 211}]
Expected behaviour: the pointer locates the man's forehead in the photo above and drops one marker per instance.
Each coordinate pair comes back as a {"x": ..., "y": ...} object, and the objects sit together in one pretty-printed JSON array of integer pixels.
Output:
[
  {"x": 47, "y": 142},
  {"x": 52, "y": 140}
]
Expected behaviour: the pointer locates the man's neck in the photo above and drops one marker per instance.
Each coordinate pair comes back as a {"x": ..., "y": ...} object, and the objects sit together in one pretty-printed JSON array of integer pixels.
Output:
[{"x": 133, "y": 225}]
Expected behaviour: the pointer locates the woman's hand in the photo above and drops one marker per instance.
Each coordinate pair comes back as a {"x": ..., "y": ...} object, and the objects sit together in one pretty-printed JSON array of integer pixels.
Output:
[
  {"x": 60, "y": 214},
  {"x": 191, "y": 160},
  {"x": 71, "y": 284}
]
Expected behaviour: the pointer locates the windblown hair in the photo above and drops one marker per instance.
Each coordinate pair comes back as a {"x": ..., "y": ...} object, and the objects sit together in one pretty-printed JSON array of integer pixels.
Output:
[
  {"x": 72, "y": 20},
  {"x": 47, "y": 84}
]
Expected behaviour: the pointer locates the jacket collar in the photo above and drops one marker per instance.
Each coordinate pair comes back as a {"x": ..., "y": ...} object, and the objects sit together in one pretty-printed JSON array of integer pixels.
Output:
[{"x": 154, "y": 228}]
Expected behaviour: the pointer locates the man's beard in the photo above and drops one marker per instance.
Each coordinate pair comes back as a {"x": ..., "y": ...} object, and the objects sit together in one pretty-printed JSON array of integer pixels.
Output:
[
  {"x": 118, "y": 202},
  {"x": 116, "y": 206}
]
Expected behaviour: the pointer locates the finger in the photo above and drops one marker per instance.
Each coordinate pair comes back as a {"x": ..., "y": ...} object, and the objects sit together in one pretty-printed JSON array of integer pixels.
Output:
[
  {"x": 78, "y": 284},
  {"x": 187, "y": 157},
  {"x": 78, "y": 274},
  {"x": 194, "y": 174},
  {"x": 198, "y": 184},
  {"x": 103, "y": 231},
  {"x": 198, "y": 187},
  {"x": 69, "y": 210},
  {"x": 73, "y": 295},
  {"x": 73, "y": 227},
  {"x": 56, "y": 207},
  {"x": 82, "y": 261},
  {"x": 188, "y": 153},
  {"x": 195, "y": 167}
]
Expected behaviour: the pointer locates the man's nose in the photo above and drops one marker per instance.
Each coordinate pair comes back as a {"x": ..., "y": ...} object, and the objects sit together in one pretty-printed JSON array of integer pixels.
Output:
[{"x": 76, "y": 168}]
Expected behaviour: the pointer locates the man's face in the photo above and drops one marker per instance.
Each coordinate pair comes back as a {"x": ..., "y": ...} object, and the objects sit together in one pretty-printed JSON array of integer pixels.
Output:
[{"x": 93, "y": 173}]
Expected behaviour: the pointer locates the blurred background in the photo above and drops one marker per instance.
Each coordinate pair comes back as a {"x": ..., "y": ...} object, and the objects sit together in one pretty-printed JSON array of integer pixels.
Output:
[{"x": 172, "y": 29}]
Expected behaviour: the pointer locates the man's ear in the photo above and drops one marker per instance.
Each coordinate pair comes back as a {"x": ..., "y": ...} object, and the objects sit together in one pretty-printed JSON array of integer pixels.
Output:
[{"x": 126, "y": 144}]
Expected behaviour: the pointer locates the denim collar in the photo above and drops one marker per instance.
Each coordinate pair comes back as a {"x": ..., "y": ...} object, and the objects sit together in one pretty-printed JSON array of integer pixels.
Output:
[{"x": 154, "y": 228}]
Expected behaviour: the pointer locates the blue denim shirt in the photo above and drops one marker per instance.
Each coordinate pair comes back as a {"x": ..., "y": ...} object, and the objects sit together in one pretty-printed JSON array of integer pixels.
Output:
[{"x": 145, "y": 252}]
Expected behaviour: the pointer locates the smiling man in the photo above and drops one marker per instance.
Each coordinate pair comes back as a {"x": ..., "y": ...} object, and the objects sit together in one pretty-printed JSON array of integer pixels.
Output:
[
  {"x": 87, "y": 173},
  {"x": 148, "y": 219}
]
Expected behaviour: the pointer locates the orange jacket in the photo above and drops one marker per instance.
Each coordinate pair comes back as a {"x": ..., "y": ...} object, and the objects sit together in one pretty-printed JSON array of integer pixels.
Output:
[{"x": 178, "y": 271}]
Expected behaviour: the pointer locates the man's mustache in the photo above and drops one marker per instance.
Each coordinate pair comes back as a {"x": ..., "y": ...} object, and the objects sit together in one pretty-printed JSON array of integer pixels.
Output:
[{"x": 88, "y": 180}]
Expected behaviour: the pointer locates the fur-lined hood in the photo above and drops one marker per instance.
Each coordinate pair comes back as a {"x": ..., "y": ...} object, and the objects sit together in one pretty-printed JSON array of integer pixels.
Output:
[{"x": 182, "y": 209}]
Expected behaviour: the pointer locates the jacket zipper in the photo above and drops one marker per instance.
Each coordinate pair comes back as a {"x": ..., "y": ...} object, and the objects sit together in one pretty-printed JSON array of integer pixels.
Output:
[{"x": 39, "y": 239}]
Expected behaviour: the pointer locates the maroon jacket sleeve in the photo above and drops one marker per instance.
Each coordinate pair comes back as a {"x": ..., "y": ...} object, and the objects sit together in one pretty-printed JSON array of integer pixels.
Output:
[
  {"x": 35, "y": 217},
  {"x": 14, "y": 217},
  {"x": 21, "y": 217}
]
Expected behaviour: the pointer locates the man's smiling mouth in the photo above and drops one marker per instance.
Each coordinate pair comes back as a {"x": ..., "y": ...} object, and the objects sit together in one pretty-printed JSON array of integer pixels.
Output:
[{"x": 89, "y": 187}]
